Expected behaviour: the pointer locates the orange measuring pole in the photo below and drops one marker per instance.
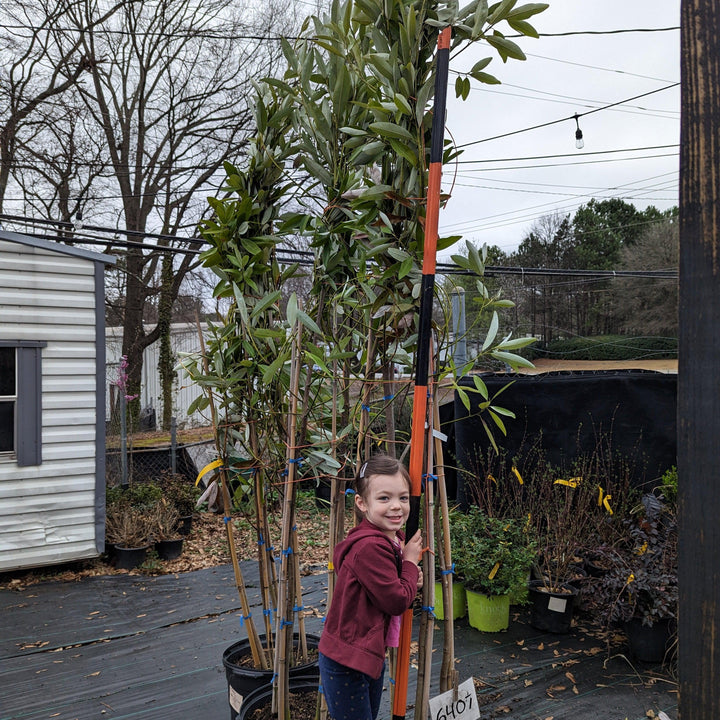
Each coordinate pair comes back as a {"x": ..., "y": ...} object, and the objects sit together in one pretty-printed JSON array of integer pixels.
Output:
[{"x": 420, "y": 393}]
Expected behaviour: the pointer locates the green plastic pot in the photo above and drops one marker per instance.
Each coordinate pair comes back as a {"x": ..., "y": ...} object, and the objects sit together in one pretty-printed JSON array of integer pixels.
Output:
[
  {"x": 488, "y": 613},
  {"x": 458, "y": 601}
]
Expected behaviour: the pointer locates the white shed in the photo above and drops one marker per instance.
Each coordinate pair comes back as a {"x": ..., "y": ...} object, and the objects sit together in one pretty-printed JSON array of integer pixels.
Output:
[{"x": 52, "y": 402}]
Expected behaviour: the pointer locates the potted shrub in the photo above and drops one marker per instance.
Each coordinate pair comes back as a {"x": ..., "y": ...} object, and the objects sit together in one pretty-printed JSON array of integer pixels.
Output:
[
  {"x": 493, "y": 556},
  {"x": 640, "y": 586},
  {"x": 183, "y": 495},
  {"x": 126, "y": 532},
  {"x": 163, "y": 518}
]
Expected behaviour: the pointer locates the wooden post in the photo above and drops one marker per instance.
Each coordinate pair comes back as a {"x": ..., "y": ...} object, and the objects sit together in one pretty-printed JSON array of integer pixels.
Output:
[{"x": 699, "y": 359}]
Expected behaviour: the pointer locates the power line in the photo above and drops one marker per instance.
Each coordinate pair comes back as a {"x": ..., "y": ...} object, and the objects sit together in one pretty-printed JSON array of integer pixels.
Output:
[
  {"x": 304, "y": 257},
  {"x": 569, "y": 117},
  {"x": 573, "y": 155}
]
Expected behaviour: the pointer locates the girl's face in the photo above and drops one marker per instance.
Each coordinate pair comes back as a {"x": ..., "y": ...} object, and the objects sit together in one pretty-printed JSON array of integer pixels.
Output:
[{"x": 386, "y": 502}]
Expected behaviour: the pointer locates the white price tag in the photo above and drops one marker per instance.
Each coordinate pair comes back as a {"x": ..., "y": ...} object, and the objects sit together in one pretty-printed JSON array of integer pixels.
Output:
[{"x": 444, "y": 707}]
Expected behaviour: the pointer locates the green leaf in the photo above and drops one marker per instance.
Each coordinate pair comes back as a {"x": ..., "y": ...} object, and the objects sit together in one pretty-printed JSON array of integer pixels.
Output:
[
  {"x": 402, "y": 104},
  {"x": 272, "y": 370},
  {"x": 516, "y": 343},
  {"x": 391, "y": 130},
  {"x": 240, "y": 303},
  {"x": 498, "y": 421},
  {"x": 308, "y": 322},
  {"x": 265, "y": 303},
  {"x": 480, "y": 65},
  {"x": 514, "y": 361},
  {"x": 405, "y": 267},
  {"x": 506, "y": 48},
  {"x": 464, "y": 398},
  {"x": 486, "y": 78},
  {"x": 524, "y": 28},
  {"x": 480, "y": 386},
  {"x": 492, "y": 332},
  {"x": 292, "y": 310}
]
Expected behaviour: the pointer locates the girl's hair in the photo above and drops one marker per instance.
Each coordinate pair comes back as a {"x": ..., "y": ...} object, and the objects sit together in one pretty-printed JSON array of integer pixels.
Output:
[{"x": 380, "y": 464}]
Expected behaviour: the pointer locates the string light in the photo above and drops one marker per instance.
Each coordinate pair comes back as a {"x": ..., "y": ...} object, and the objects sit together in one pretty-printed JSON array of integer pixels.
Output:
[{"x": 579, "y": 142}]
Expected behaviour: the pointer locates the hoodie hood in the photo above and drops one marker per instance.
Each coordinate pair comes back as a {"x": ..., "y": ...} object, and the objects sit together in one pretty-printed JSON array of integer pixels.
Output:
[{"x": 364, "y": 530}]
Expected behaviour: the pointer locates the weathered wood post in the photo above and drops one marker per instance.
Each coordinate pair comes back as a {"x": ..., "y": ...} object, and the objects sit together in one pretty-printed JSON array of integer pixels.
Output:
[{"x": 699, "y": 361}]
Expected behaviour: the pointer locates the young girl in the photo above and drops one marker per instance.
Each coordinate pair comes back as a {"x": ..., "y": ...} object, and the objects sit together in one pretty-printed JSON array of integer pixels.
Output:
[{"x": 377, "y": 579}]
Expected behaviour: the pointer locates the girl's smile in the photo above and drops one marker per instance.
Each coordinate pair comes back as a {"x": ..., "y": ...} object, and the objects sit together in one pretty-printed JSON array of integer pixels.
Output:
[{"x": 386, "y": 503}]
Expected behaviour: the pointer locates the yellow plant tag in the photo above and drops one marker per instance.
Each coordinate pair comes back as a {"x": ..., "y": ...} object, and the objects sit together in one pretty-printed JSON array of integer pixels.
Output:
[
  {"x": 517, "y": 474},
  {"x": 210, "y": 466},
  {"x": 600, "y": 495},
  {"x": 606, "y": 503},
  {"x": 631, "y": 578},
  {"x": 491, "y": 477},
  {"x": 572, "y": 482},
  {"x": 493, "y": 572},
  {"x": 643, "y": 548}
]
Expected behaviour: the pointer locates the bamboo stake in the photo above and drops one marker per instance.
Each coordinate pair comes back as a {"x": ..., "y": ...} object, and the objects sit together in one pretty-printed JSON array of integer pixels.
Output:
[
  {"x": 259, "y": 659},
  {"x": 286, "y": 585},
  {"x": 427, "y": 621},
  {"x": 448, "y": 673}
]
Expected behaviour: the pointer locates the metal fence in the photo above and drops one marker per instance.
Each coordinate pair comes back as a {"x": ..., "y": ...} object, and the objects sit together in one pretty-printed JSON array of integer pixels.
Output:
[{"x": 127, "y": 461}]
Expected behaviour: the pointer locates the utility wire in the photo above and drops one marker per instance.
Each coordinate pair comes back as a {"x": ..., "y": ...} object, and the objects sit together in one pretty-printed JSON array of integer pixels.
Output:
[
  {"x": 306, "y": 258},
  {"x": 570, "y": 117}
]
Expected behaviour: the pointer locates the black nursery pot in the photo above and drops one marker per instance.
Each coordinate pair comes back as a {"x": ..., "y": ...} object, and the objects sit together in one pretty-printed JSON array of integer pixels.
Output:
[
  {"x": 551, "y": 611},
  {"x": 244, "y": 680},
  {"x": 184, "y": 525},
  {"x": 263, "y": 696},
  {"x": 648, "y": 643},
  {"x": 169, "y": 549},
  {"x": 129, "y": 558}
]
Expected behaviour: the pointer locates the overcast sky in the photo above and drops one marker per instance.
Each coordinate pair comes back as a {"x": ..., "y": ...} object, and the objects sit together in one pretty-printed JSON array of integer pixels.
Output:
[{"x": 496, "y": 195}]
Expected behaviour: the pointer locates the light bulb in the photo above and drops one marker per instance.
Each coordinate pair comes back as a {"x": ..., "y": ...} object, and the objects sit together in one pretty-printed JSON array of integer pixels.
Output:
[{"x": 579, "y": 142}]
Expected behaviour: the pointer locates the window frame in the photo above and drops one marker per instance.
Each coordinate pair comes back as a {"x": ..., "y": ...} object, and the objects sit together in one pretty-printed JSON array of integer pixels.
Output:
[{"x": 28, "y": 402}]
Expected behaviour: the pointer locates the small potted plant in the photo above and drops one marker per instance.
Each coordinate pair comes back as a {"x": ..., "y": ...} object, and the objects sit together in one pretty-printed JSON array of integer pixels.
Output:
[
  {"x": 640, "y": 586},
  {"x": 493, "y": 556},
  {"x": 163, "y": 518},
  {"x": 183, "y": 495},
  {"x": 126, "y": 533}
]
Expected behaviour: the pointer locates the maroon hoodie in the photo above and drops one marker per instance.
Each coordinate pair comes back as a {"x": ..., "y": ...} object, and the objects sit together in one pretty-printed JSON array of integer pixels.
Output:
[{"x": 373, "y": 583}]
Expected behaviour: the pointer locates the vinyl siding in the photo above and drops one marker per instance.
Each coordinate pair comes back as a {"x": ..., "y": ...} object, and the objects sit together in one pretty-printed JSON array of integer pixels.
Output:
[{"x": 47, "y": 511}]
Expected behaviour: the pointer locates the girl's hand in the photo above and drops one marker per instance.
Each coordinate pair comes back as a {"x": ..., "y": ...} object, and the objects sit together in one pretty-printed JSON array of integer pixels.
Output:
[{"x": 413, "y": 549}]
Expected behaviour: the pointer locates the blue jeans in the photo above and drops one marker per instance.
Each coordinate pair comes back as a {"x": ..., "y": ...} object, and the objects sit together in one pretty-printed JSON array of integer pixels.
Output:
[{"x": 349, "y": 694}]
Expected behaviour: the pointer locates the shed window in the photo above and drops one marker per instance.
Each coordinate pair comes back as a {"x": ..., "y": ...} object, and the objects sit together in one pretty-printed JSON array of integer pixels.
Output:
[{"x": 20, "y": 401}]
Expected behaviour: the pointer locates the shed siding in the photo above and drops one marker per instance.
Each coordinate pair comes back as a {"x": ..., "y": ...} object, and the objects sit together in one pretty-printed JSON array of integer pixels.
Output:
[{"x": 47, "y": 512}]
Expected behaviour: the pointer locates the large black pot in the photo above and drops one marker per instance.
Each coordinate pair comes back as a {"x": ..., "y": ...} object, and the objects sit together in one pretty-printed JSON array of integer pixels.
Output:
[
  {"x": 551, "y": 611},
  {"x": 129, "y": 558},
  {"x": 169, "y": 549},
  {"x": 648, "y": 643},
  {"x": 263, "y": 696},
  {"x": 243, "y": 680}
]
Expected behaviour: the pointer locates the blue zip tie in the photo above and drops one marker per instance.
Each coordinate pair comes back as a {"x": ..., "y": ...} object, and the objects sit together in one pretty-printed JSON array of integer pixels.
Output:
[
  {"x": 388, "y": 397},
  {"x": 226, "y": 519},
  {"x": 320, "y": 690},
  {"x": 365, "y": 407},
  {"x": 298, "y": 608},
  {"x": 293, "y": 528},
  {"x": 284, "y": 473},
  {"x": 299, "y": 460},
  {"x": 392, "y": 680},
  {"x": 268, "y": 613},
  {"x": 430, "y": 609},
  {"x": 285, "y": 623},
  {"x": 287, "y": 551},
  {"x": 243, "y": 618},
  {"x": 350, "y": 491},
  {"x": 451, "y": 571},
  {"x": 270, "y": 548}
]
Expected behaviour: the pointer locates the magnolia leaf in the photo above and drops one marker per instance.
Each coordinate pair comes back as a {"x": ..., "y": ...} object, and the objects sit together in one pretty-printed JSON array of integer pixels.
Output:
[
  {"x": 480, "y": 386},
  {"x": 391, "y": 130},
  {"x": 464, "y": 397},
  {"x": 292, "y": 309},
  {"x": 514, "y": 361},
  {"x": 492, "y": 331},
  {"x": 506, "y": 48},
  {"x": 308, "y": 322},
  {"x": 266, "y": 302},
  {"x": 524, "y": 28},
  {"x": 402, "y": 104},
  {"x": 486, "y": 78}
]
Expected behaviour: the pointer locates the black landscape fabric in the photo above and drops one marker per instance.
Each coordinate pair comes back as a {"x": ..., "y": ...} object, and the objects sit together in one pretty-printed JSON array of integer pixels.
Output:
[{"x": 149, "y": 648}]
